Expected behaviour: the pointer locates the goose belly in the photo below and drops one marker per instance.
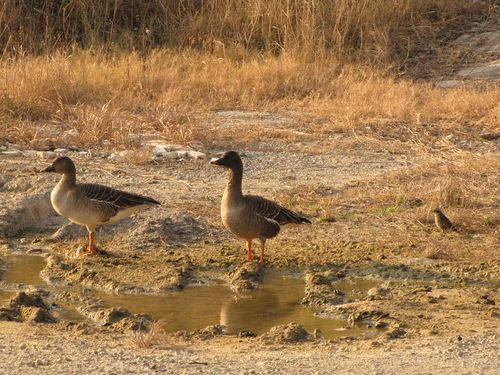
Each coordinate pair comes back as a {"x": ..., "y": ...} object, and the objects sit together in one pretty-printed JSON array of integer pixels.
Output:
[
  {"x": 66, "y": 205},
  {"x": 238, "y": 222}
]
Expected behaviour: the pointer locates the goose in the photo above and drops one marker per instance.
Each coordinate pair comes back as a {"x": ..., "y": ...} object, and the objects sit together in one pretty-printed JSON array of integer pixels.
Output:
[
  {"x": 91, "y": 205},
  {"x": 250, "y": 216}
]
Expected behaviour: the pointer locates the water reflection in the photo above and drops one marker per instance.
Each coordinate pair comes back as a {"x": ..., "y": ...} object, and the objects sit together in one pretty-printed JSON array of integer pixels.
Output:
[
  {"x": 5, "y": 297},
  {"x": 276, "y": 301},
  {"x": 24, "y": 269}
]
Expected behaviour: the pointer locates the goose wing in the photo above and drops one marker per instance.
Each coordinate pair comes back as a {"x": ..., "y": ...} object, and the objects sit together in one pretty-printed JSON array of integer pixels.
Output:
[
  {"x": 273, "y": 211},
  {"x": 118, "y": 198},
  {"x": 107, "y": 202}
]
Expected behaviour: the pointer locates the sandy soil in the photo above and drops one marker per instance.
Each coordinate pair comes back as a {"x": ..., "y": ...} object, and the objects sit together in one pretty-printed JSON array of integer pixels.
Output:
[
  {"x": 28, "y": 349},
  {"x": 426, "y": 303}
]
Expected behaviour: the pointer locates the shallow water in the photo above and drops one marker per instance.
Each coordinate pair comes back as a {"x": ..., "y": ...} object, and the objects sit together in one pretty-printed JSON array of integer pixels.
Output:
[
  {"x": 24, "y": 269},
  {"x": 5, "y": 297},
  {"x": 276, "y": 301}
]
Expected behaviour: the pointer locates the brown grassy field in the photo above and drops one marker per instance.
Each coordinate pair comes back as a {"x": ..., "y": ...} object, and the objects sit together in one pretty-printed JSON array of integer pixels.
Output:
[
  {"x": 366, "y": 30},
  {"x": 352, "y": 64},
  {"x": 109, "y": 97}
]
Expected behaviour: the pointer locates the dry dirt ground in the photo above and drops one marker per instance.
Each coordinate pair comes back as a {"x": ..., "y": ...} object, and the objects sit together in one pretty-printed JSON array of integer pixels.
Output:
[
  {"x": 40, "y": 350},
  {"x": 438, "y": 308}
]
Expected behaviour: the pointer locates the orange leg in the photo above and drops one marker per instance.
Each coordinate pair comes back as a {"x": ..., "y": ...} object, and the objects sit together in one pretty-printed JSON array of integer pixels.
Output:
[
  {"x": 262, "y": 248},
  {"x": 91, "y": 244},
  {"x": 250, "y": 252}
]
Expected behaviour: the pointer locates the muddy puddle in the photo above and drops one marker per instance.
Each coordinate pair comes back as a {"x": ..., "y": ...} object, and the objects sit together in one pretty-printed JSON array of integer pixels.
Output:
[
  {"x": 276, "y": 301},
  {"x": 5, "y": 296},
  {"x": 24, "y": 269}
]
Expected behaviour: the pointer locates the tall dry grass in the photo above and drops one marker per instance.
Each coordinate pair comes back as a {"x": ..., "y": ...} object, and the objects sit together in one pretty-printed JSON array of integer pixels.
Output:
[
  {"x": 370, "y": 30},
  {"x": 107, "y": 98},
  {"x": 112, "y": 69}
]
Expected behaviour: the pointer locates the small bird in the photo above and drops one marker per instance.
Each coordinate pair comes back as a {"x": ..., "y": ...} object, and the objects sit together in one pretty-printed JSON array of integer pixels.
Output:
[
  {"x": 442, "y": 222},
  {"x": 250, "y": 216},
  {"x": 91, "y": 205}
]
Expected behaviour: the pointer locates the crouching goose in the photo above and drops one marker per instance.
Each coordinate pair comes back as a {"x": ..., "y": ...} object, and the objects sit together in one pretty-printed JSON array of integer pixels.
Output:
[
  {"x": 250, "y": 216},
  {"x": 91, "y": 205}
]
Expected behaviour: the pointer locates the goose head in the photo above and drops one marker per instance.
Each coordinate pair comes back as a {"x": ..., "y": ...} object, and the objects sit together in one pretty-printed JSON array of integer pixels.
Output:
[
  {"x": 230, "y": 160},
  {"x": 63, "y": 165}
]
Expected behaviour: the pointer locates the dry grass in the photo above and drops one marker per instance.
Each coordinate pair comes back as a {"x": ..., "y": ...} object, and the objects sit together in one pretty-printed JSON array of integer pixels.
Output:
[
  {"x": 115, "y": 99},
  {"x": 394, "y": 209},
  {"x": 152, "y": 337},
  {"x": 144, "y": 66},
  {"x": 370, "y": 30},
  {"x": 469, "y": 182}
]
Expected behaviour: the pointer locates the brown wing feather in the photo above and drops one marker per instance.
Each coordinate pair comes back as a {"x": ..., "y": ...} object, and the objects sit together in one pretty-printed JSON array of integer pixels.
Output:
[
  {"x": 271, "y": 210},
  {"x": 117, "y": 198},
  {"x": 108, "y": 201}
]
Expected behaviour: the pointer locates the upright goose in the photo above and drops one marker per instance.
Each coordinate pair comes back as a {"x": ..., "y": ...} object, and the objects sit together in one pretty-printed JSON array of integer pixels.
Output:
[
  {"x": 91, "y": 205},
  {"x": 250, "y": 216}
]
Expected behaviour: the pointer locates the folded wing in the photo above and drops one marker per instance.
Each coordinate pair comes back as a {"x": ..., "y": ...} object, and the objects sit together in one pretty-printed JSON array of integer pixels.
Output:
[
  {"x": 109, "y": 202},
  {"x": 273, "y": 211}
]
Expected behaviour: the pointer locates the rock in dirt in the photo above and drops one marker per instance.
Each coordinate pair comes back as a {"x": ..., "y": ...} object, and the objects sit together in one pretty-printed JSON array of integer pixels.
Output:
[
  {"x": 29, "y": 212},
  {"x": 28, "y": 300},
  {"x": 46, "y": 154},
  {"x": 490, "y": 136},
  {"x": 176, "y": 279},
  {"x": 206, "y": 333},
  {"x": 320, "y": 288},
  {"x": 117, "y": 317},
  {"x": 484, "y": 71},
  {"x": 56, "y": 269},
  {"x": 378, "y": 292},
  {"x": 181, "y": 229},
  {"x": 395, "y": 333},
  {"x": 373, "y": 317},
  {"x": 485, "y": 300},
  {"x": 486, "y": 42},
  {"x": 36, "y": 315},
  {"x": 69, "y": 137},
  {"x": 495, "y": 313},
  {"x": 160, "y": 149},
  {"x": 246, "y": 277},
  {"x": 212, "y": 331},
  {"x": 286, "y": 333},
  {"x": 27, "y": 307},
  {"x": 12, "y": 153},
  {"x": 246, "y": 334},
  {"x": 317, "y": 334},
  {"x": 68, "y": 231}
]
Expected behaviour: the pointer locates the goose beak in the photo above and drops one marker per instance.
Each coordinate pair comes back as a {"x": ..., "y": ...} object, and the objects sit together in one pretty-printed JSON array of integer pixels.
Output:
[
  {"x": 216, "y": 161},
  {"x": 49, "y": 169}
]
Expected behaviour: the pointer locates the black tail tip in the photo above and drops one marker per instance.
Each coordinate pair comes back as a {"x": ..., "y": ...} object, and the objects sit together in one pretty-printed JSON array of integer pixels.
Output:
[{"x": 154, "y": 201}]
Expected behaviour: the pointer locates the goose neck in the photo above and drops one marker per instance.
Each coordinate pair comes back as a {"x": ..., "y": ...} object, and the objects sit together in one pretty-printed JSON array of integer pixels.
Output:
[
  {"x": 234, "y": 182},
  {"x": 68, "y": 179}
]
